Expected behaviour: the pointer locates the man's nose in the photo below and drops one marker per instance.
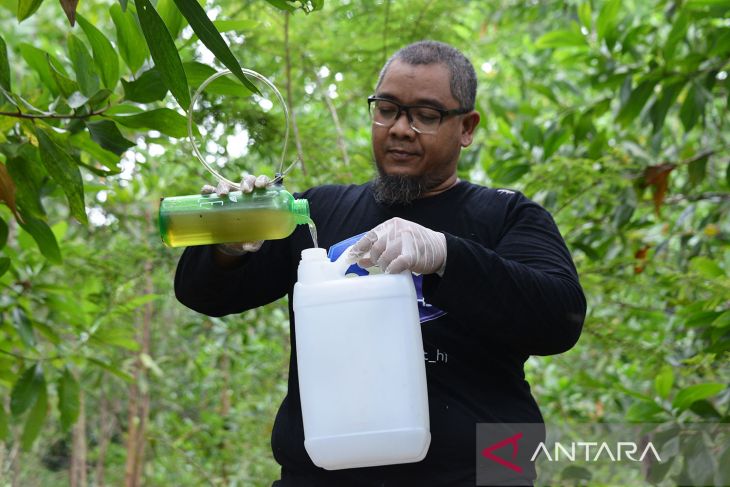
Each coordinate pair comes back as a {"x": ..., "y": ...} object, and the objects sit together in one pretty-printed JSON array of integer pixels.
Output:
[{"x": 402, "y": 126}]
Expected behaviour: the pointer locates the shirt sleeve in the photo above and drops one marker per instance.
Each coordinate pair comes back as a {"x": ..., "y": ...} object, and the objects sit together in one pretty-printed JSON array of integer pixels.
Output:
[
  {"x": 260, "y": 278},
  {"x": 524, "y": 293}
]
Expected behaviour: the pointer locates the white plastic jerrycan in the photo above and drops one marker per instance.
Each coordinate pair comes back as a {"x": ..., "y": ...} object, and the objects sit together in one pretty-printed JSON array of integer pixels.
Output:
[{"x": 362, "y": 376}]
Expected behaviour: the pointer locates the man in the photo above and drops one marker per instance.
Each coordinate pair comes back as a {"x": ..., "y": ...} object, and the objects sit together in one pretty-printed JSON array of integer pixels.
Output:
[{"x": 496, "y": 279}]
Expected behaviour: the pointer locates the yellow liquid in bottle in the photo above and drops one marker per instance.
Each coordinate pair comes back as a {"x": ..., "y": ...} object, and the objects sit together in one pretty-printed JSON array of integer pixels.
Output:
[{"x": 226, "y": 226}]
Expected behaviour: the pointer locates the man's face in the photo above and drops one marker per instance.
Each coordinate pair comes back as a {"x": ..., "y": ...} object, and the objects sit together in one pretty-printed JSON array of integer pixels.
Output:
[{"x": 401, "y": 151}]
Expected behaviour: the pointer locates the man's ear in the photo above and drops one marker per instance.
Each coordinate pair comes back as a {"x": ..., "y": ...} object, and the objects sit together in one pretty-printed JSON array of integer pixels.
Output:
[{"x": 469, "y": 123}]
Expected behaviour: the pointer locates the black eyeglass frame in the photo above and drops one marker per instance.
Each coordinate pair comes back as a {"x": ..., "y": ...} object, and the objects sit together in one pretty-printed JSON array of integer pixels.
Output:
[{"x": 406, "y": 108}]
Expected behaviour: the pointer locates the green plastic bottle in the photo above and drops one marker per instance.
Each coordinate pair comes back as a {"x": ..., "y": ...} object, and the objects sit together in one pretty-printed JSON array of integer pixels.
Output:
[{"x": 265, "y": 214}]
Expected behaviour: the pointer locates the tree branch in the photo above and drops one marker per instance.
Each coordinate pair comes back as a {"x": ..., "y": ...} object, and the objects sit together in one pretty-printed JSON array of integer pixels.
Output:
[
  {"x": 290, "y": 106},
  {"x": 55, "y": 116}
]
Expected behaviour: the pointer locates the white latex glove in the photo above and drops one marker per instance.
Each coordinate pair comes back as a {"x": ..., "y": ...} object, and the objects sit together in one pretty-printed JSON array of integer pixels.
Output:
[
  {"x": 397, "y": 245},
  {"x": 248, "y": 184}
]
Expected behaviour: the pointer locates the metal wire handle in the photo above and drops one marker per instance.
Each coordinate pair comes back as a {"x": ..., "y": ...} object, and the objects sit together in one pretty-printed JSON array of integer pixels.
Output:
[{"x": 196, "y": 151}]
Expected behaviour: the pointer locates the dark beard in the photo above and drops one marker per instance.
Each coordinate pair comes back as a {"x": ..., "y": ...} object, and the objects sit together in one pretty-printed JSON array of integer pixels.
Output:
[{"x": 393, "y": 189}]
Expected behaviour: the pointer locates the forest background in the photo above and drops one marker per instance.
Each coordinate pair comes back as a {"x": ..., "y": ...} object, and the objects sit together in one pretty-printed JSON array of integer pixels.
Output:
[{"x": 613, "y": 115}]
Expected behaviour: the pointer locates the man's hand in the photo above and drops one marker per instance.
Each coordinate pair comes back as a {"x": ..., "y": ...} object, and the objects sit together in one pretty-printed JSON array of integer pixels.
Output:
[
  {"x": 397, "y": 245},
  {"x": 248, "y": 184}
]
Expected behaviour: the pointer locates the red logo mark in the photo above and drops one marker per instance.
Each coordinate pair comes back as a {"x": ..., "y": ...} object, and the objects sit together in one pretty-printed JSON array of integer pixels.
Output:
[{"x": 487, "y": 452}]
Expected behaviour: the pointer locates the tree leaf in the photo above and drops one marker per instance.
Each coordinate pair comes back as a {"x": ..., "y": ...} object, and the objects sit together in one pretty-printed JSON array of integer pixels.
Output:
[
  {"x": 37, "y": 60},
  {"x": 44, "y": 238},
  {"x": 28, "y": 174},
  {"x": 35, "y": 419},
  {"x": 171, "y": 16},
  {"x": 678, "y": 32},
  {"x": 4, "y": 265},
  {"x": 561, "y": 38},
  {"x": 7, "y": 191},
  {"x": 212, "y": 39},
  {"x": 83, "y": 64},
  {"x": 693, "y": 107},
  {"x": 664, "y": 381},
  {"x": 111, "y": 369},
  {"x": 706, "y": 267},
  {"x": 643, "y": 411},
  {"x": 197, "y": 73},
  {"x": 69, "y": 8},
  {"x": 4, "y": 65},
  {"x": 107, "y": 135},
  {"x": 607, "y": 18},
  {"x": 283, "y": 5},
  {"x": 66, "y": 85},
  {"x": 636, "y": 101},
  {"x": 584, "y": 14},
  {"x": 4, "y": 430},
  {"x": 26, "y": 389},
  {"x": 105, "y": 56},
  {"x": 145, "y": 89},
  {"x": 688, "y": 395},
  {"x": 697, "y": 170},
  {"x": 164, "y": 120},
  {"x": 24, "y": 327},
  {"x": 130, "y": 40},
  {"x": 164, "y": 53},
  {"x": 62, "y": 168},
  {"x": 4, "y": 231},
  {"x": 26, "y": 8},
  {"x": 68, "y": 399},
  {"x": 662, "y": 104},
  {"x": 658, "y": 177}
]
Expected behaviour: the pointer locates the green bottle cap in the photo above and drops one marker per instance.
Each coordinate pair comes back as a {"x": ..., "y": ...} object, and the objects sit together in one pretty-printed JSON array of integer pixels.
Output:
[{"x": 300, "y": 208}]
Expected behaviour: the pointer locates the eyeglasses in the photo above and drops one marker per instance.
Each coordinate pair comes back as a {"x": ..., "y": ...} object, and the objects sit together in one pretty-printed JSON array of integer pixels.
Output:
[{"x": 423, "y": 119}]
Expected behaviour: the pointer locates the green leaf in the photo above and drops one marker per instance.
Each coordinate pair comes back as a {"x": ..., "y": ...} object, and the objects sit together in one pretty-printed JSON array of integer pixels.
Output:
[
  {"x": 212, "y": 39},
  {"x": 678, "y": 32},
  {"x": 37, "y": 60},
  {"x": 83, "y": 141},
  {"x": 693, "y": 107},
  {"x": 4, "y": 65},
  {"x": 145, "y": 89},
  {"x": 638, "y": 98},
  {"x": 706, "y": 267},
  {"x": 105, "y": 56},
  {"x": 28, "y": 173},
  {"x": 35, "y": 419},
  {"x": 24, "y": 327},
  {"x": 164, "y": 120},
  {"x": 107, "y": 135},
  {"x": 4, "y": 231},
  {"x": 561, "y": 38},
  {"x": 4, "y": 265},
  {"x": 4, "y": 429},
  {"x": 117, "y": 336},
  {"x": 164, "y": 53},
  {"x": 661, "y": 106},
  {"x": 111, "y": 369},
  {"x": 66, "y": 85},
  {"x": 697, "y": 170},
  {"x": 283, "y": 5},
  {"x": 63, "y": 169},
  {"x": 171, "y": 16},
  {"x": 197, "y": 73},
  {"x": 130, "y": 40},
  {"x": 99, "y": 97},
  {"x": 664, "y": 381},
  {"x": 643, "y": 411},
  {"x": 44, "y": 238},
  {"x": 607, "y": 18},
  {"x": 688, "y": 395},
  {"x": 83, "y": 64},
  {"x": 584, "y": 14},
  {"x": 26, "y": 8},
  {"x": 26, "y": 389},
  {"x": 716, "y": 8},
  {"x": 68, "y": 399},
  {"x": 722, "y": 321}
]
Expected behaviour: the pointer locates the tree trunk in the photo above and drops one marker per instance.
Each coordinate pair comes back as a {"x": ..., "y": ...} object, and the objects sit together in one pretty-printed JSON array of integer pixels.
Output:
[
  {"x": 107, "y": 424},
  {"x": 77, "y": 471},
  {"x": 139, "y": 398}
]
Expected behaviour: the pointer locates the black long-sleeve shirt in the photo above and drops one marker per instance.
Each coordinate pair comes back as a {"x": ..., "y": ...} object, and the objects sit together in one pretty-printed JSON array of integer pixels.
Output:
[{"x": 509, "y": 290}]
